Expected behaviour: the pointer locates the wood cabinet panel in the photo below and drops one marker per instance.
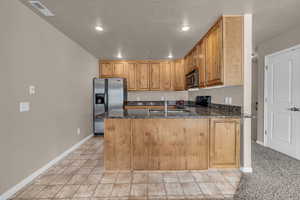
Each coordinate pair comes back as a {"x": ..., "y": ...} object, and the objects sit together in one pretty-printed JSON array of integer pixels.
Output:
[
  {"x": 224, "y": 143},
  {"x": 106, "y": 70},
  {"x": 202, "y": 63},
  {"x": 142, "y": 76},
  {"x": 179, "y": 75},
  {"x": 117, "y": 144},
  {"x": 166, "y": 71},
  {"x": 154, "y": 76},
  {"x": 145, "y": 144},
  {"x": 213, "y": 56},
  {"x": 131, "y": 76},
  {"x": 119, "y": 70}
]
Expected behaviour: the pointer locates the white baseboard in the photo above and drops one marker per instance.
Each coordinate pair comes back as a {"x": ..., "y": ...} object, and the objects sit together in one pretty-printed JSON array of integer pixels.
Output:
[
  {"x": 260, "y": 143},
  {"x": 246, "y": 169},
  {"x": 27, "y": 180}
]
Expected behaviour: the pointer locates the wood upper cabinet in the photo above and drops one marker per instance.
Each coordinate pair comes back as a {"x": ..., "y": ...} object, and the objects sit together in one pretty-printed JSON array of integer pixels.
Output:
[
  {"x": 106, "y": 70},
  {"x": 213, "y": 56},
  {"x": 142, "y": 76},
  {"x": 224, "y": 143},
  {"x": 179, "y": 75},
  {"x": 154, "y": 76},
  {"x": 166, "y": 74},
  {"x": 119, "y": 70},
  {"x": 131, "y": 76},
  {"x": 202, "y": 63}
]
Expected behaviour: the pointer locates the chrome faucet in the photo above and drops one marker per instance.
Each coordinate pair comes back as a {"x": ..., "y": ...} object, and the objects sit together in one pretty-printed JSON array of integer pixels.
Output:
[{"x": 166, "y": 106}]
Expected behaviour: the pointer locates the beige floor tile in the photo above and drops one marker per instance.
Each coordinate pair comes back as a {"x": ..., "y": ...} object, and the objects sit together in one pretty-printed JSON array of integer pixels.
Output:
[
  {"x": 185, "y": 177},
  {"x": 140, "y": 178},
  {"x": 226, "y": 188},
  {"x": 109, "y": 177},
  {"x": 191, "y": 189},
  {"x": 176, "y": 197},
  {"x": 85, "y": 191},
  {"x": 44, "y": 179},
  {"x": 77, "y": 179},
  {"x": 156, "y": 189},
  {"x": 173, "y": 189},
  {"x": 170, "y": 177},
  {"x": 124, "y": 177},
  {"x": 70, "y": 170},
  {"x": 202, "y": 177},
  {"x": 103, "y": 190},
  {"x": 138, "y": 190},
  {"x": 121, "y": 190},
  {"x": 68, "y": 191},
  {"x": 49, "y": 191},
  {"x": 93, "y": 179},
  {"x": 155, "y": 178},
  {"x": 31, "y": 192},
  {"x": 84, "y": 170},
  {"x": 60, "y": 179},
  {"x": 209, "y": 189},
  {"x": 98, "y": 170},
  {"x": 78, "y": 163},
  {"x": 217, "y": 177}
]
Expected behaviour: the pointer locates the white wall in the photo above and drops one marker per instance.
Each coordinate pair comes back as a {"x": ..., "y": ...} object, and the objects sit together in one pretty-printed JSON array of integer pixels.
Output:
[
  {"x": 32, "y": 52},
  {"x": 219, "y": 94},
  {"x": 283, "y": 41}
]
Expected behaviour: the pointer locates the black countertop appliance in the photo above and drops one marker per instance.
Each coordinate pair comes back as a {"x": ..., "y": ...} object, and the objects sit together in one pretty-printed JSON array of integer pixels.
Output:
[{"x": 203, "y": 100}]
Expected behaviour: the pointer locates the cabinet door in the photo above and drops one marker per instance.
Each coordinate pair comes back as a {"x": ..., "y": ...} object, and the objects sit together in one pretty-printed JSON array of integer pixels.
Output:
[
  {"x": 142, "y": 75},
  {"x": 131, "y": 76},
  {"x": 166, "y": 75},
  {"x": 213, "y": 56},
  {"x": 155, "y": 76},
  {"x": 106, "y": 70},
  {"x": 119, "y": 70},
  {"x": 117, "y": 144},
  {"x": 145, "y": 144},
  {"x": 179, "y": 75},
  {"x": 224, "y": 143},
  {"x": 202, "y": 63}
]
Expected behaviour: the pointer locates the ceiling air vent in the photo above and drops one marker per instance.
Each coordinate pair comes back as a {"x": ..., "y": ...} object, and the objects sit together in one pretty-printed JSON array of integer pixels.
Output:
[{"x": 43, "y": 9}]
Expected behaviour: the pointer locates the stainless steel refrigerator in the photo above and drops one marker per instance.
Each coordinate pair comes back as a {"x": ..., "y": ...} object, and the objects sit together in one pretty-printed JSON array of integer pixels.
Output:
[{"x": 109, "y": 96}]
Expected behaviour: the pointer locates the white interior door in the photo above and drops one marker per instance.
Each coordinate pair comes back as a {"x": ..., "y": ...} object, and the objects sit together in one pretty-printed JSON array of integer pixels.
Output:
[{"x": 283, "y": 102}]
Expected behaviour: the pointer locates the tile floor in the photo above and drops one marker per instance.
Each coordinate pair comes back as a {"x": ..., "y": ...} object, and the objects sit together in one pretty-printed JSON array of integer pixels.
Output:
[{"x": 81, "y": 176}]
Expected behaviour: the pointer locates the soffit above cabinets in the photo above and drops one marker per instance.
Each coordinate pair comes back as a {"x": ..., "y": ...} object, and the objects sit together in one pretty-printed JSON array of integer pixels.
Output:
[{"x": 151, "y": 29}]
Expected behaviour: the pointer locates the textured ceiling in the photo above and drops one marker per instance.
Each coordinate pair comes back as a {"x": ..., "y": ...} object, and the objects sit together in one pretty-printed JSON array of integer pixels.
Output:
[{"x": 150, "y": 29}]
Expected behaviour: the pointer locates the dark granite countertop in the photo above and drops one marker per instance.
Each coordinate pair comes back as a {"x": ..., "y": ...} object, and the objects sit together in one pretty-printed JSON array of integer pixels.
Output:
[{"x": 189, "y": 111}]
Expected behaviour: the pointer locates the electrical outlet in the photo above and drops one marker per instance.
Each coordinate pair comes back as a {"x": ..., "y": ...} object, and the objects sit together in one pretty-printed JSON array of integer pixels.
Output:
[
  {"x": 229, "y": 100},
  {"x": 225, "y": 100},
  {"x": 78, "y": 131},
  {"x": 24, "y": 106}
]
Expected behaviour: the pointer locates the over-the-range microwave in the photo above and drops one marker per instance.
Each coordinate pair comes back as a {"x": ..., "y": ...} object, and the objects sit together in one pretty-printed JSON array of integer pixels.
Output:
[{"x": 192, "y": 79}]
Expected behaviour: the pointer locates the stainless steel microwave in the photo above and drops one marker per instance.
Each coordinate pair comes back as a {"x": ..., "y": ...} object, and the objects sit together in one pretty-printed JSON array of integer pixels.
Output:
[{"x": 192, "y": 79}]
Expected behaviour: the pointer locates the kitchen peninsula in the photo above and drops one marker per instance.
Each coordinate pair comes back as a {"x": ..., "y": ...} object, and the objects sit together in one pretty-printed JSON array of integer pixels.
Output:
[{"x": 193, "y": 138}]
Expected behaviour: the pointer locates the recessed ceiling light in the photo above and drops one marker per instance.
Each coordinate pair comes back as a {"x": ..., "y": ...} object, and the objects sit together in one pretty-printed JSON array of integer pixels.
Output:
[
  {"x": 119, "y": 55},
  {"x": 185, "y": 28},
  {"x": 99, "y": 28},
  {"x": 170, "y": 56}
]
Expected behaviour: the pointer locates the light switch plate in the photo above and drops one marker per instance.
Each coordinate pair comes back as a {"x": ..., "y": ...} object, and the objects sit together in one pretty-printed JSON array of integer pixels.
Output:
[
  {"x": 31, "y": 90},
  {"x": 24, "y": 106}
]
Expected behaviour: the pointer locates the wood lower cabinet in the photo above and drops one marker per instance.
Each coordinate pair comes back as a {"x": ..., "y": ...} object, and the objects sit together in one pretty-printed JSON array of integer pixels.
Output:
[
  {"x": 142, "y": 76},
  {"x": 224, "y": 143},
  {"x": 117, "y": 142},
  {"x": 154, "y": 76}
]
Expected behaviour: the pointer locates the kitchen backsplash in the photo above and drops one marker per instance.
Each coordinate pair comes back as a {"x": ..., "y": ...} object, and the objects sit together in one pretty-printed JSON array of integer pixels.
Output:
[
  {"x": 218, "y": 95},
  {"x": 157, "y": 95}
]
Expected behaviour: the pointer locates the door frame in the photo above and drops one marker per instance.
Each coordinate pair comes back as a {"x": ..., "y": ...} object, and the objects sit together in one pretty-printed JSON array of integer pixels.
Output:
[{"x": 267, "y": 62}]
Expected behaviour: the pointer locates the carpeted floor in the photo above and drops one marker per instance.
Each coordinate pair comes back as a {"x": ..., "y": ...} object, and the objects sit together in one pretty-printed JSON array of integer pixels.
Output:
[{"x": 275, "y": 176}]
